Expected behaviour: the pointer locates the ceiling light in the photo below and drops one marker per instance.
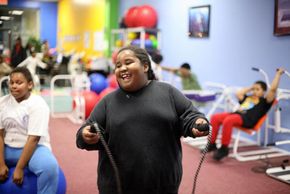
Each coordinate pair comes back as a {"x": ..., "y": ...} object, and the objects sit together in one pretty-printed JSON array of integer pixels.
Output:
[
  {"x": 5, "y": 18},
  {"x": 16, "y": 12}
]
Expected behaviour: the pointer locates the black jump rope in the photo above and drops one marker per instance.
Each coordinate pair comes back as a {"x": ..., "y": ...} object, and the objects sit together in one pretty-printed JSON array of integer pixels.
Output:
[{"x": 201, "y": 127}]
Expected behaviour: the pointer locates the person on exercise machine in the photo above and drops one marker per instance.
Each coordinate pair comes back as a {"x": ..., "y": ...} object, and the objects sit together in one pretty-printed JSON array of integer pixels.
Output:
[{"x": 255, "y": 101}]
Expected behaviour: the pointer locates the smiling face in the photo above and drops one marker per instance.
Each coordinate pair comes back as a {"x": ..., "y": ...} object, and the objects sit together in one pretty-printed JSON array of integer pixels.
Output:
[
  {"x": 19, "y": 86},
  {"x": 131, "y": 74}
]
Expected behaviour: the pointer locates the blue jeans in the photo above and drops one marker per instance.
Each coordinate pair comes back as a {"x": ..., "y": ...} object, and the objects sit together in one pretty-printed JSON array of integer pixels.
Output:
[{"x": 42, "y": 163}]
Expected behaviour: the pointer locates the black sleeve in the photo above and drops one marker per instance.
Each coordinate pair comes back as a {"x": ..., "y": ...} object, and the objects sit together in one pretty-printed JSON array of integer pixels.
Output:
[
  {"x": 186, "y": 112},
  {"x": 97, "y": 115},
  {"x": 244, "y": 98}
]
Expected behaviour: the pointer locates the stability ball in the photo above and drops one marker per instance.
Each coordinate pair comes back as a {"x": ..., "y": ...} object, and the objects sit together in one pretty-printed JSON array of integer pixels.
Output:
[
  {"x": 119, "y": 43},
  {"x": 61, "y": 187},
  {"x": 91, "y": 99},
  {"x": 114, "y": 56},
  {"x": 146, "y": 16},
  {"x": 152, "y": 37},
  {"x": 113, "y": 81},
  {"x": 148, "y": 43},
  {"x": 29, "y": 185},
  {"x": 155, "y": 44},
  {"x": 98, "y": 82},
  {"x": 147, "y": 36},
  {"x": 136, "y": 42},
  {"x": 85, "y": 102},
  {"x": 106, "y": 91},
  {"x": 130, "y": 16},
  {"x": 132, "y": 35}
]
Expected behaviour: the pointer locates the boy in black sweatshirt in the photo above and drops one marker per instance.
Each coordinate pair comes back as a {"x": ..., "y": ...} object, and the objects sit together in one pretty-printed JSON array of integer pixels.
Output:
[{"x": 142, "y": 123}]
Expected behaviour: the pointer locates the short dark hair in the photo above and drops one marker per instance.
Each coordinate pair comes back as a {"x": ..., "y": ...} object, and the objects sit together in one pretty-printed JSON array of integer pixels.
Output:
[
  {"x": 24, "y": 71},
  {"x": 157, "y": 58},
  {"x": 143, "y": 56},
  {"x": 185, "y": 66},
  {"x": 262, "y": 84}
]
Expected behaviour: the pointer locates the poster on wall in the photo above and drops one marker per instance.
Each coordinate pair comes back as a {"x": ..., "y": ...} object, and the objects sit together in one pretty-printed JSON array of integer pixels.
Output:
[
  {"x": 3, "y": 2},
  {"x": 199, "y": 19},
  {"x": 282, "y": 17}
]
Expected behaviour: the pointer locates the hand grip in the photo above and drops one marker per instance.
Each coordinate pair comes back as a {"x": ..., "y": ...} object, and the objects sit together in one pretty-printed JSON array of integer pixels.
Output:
[
  {"x": 255, "y": 69},
  {"x": 201, "y": 127},
  {"x": 95, "y": 128}
]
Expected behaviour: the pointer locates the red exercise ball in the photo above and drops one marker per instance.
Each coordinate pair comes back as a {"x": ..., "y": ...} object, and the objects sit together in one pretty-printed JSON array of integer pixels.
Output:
[
  {"x": 113, "y": 83},
  {"x": 146, "y": 16},
  {"x": 114, "y": 56},
  {"x": 106, "y": 91},
  {"x": 90, "y": 99},
  {"x": 130, "y": 16}
]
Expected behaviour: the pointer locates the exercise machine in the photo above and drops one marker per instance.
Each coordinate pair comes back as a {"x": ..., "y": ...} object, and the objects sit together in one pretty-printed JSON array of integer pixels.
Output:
[
  {"x": 219, "y": 97},
  {"x": 2, "y": 81},
  {"x": 266, "y": 151},
  {"x": 78, "y": 84},
  {"x": 282, "y": 172}
]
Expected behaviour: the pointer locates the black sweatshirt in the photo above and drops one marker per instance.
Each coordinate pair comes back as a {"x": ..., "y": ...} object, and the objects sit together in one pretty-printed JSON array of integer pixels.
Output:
[{"x": 143, "y": 131}]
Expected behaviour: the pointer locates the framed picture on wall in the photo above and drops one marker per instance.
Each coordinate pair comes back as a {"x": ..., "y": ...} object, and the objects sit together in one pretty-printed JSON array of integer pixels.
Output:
[
  {"x": 199, "y": 19},
  {"x": 282, "y": 17}
]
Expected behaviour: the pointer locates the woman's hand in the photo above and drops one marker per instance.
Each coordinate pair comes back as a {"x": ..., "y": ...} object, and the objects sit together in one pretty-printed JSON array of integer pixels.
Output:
[
  {"x": 280, "y": 71},
  {"x": 18, "y": 176},
  {"x": 3, "y": 172},
  {"x": 90, "y": 138},
  {"x": 198, "y": 133}
]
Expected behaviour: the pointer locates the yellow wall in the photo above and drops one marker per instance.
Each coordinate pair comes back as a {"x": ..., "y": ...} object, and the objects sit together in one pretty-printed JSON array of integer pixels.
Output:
[{"x": 77, "y": 18}]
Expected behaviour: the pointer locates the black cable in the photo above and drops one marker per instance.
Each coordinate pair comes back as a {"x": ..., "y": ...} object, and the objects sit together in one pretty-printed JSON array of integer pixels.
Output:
[
  {"x": 95, "y": 129},
  {"x": 203, "y": 127}
]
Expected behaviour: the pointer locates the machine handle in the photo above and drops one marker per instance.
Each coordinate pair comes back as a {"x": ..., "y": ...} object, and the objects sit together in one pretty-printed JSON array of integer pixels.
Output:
[{"x": 255, "y": 69}]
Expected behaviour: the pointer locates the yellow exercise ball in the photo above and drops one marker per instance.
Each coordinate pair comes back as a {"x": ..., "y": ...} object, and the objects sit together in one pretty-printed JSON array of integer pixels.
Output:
[
  {"x": 132, "y": 35},
  {"x": 152, "y": 37},
  {"x": 119, "y": 43}
]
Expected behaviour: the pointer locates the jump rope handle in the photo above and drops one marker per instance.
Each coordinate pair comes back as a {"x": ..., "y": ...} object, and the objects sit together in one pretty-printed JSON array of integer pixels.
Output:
[
  {"x": 202, "y": 127},
  {"x": 95, "y": 128}
]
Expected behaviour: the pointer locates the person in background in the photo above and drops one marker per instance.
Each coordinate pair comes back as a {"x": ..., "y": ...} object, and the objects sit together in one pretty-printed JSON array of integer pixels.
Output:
[
  {"x": 18, "y": 53},
  {"x": 189, "y": 79},
  {"x": 5, "y": 69},
  {"x": 157, "y": 59},
  {"x": 32, "y": 62},
  {"x": 142, "y": 123},
  {"x": 255, "y": 101},
  {"x": 24, "y": 137},
  {"x": 45, "y": 48}
]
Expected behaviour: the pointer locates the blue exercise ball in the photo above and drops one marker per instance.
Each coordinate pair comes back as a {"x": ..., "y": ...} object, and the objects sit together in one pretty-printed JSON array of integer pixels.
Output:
[
  {"x": 136, "y": 42},
  {"x": 29, "y": 185},
  {"x": 148, "y": 43},
  {"x": 61, "y": 187},
  {"x": 98, "y": 82}
]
